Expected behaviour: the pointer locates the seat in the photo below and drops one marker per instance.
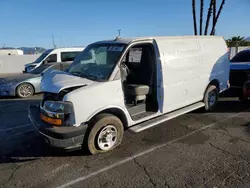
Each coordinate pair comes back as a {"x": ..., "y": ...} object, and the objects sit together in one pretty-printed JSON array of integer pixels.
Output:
[
  {"x": 139, "y": 92},
  {"x": 139, "y": 81}
]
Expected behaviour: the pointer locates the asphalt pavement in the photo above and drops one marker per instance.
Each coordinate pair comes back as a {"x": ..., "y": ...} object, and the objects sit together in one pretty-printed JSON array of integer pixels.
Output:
[{"x": 194, "y": 150}]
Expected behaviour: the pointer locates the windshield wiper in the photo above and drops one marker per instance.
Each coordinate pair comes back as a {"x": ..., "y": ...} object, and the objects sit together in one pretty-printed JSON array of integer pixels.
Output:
[
  {"x": 76, "y": 73},
  {"x": 88, "y": 76}
]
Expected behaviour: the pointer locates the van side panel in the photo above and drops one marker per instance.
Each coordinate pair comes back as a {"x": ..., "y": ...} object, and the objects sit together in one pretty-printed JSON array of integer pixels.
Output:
[
  {"x": 215, "y": 57},
  {"x": 188, "y": 66}
]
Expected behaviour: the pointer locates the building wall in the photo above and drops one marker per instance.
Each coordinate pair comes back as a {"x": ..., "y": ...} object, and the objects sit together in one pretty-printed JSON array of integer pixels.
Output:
[
  {"x": 234, "y": 50},
  {"x": 15, "y": 63}
]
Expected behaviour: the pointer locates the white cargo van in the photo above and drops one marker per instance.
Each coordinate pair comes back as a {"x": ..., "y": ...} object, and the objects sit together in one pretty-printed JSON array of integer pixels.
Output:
[
  {"x": 53, "y": 56},
  {"x": 129, "y": 84}
]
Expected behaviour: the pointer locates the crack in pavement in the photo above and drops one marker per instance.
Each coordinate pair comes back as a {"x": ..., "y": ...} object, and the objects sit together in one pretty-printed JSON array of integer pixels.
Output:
[
  {"x": 227, "y": 152},
  {"x": 12, "y": 175},
  {"x": 146, "y": 172},
  {"x": 234, "y": 137}
]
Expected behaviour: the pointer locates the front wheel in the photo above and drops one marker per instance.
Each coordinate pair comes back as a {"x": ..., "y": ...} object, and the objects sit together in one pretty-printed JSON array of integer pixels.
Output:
[
  {"x": 24, "y": 90},
  {"x": 105, "y": 133},
  {"x": 211, "y": 97}
]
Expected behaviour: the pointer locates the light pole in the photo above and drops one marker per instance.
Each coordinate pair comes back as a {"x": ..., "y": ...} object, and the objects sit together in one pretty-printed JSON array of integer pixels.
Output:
[{"x": 119, "y": 32}]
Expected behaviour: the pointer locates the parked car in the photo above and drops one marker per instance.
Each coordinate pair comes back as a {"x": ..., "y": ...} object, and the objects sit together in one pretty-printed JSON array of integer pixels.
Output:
[
  {"x": 129, "y": 84},
  {"x": 26, "y": 84},
  {"x": 53, "y": 56},
  {"x": 240, "y": 72}
]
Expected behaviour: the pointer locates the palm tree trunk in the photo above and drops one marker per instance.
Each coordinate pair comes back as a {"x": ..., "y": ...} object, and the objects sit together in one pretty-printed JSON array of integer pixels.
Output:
[
  {"x": 201, "y": 16},
  {"x": 208, "y": 16},
  {"x": 218, "y": 15},
  {"x": 194, "y": 17},
  {"x": 214, "y": 15}
]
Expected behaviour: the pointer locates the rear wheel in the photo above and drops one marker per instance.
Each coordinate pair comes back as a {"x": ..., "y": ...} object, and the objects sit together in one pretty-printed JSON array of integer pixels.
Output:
[
  {"x": 211, "y": 97},
  {"x": 105, "y": 133},
  {"x": 24, "y": 90}
]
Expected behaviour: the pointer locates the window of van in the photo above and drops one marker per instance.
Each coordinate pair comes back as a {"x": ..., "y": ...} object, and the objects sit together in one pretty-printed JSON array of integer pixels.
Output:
[
  {"x": 68, "y": 56},
  {"x": 135, "y": 55},
  {"x": 42, "y": 56},
  {"x": 243, "y": 56},
  {"x": 97, "y": 61},
  {"x": 51, "y": 58}
]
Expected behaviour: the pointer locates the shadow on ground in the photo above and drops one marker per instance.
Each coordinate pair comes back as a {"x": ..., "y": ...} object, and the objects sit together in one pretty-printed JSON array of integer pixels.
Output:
[{"x": 34, "y": 148}]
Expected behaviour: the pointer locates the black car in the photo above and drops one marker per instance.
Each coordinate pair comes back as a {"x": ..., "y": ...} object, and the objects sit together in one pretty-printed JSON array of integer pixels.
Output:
[{"x": 240, "y": 71}]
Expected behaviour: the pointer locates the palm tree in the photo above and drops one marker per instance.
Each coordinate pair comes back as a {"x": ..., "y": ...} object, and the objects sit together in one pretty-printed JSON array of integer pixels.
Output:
[
  {"x": 214, "y": 15},
  {"x": 194, "y": 16},
  {"x": 201, "y": 15},
  {"x": 217, "y": 17},
  {"x": 208, "y": 16},
  {"x": 236, "y": 41}
]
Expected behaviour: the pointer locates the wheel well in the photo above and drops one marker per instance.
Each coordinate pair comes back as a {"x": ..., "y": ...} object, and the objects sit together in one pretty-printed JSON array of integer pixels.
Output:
[
  {"x": 216, "y": 83},
  {"x": 26, "y": 83},
  {"x": 118, "y": 113}
]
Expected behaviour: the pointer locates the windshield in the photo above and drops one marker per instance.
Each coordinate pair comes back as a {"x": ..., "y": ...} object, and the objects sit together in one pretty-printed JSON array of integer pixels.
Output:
[
  {"x": 40, "y": 69},
  {"x": 41, "y": 57},
  {"x": 97, "y": 61},
  {"x": 241, "y": 57}
]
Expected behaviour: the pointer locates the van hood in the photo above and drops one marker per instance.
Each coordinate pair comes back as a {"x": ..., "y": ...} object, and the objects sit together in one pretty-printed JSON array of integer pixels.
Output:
[{"x": 55, "y": 81}]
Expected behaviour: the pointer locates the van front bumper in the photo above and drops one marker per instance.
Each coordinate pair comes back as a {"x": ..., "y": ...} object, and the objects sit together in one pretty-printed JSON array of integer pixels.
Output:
[{"x": 62, "y": 137}]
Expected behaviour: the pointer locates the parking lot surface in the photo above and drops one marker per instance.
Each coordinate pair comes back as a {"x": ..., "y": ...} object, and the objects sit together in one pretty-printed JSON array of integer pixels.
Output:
[{"x": 194, "y": 150}]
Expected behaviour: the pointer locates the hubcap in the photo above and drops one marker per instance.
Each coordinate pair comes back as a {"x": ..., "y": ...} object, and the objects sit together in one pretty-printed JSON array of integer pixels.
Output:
[
  {"x": 107, "y": 137},
  {"x": 211, "y": 99},
  {"x": 25, "y": 90}
]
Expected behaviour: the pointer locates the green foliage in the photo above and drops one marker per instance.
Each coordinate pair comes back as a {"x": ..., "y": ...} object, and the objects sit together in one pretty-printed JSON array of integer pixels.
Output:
[{"x": 237, "y": 41}]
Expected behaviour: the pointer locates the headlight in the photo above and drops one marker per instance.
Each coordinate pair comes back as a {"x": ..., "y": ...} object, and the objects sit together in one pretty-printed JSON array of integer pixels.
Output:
[{"x": 58, "y": 106}]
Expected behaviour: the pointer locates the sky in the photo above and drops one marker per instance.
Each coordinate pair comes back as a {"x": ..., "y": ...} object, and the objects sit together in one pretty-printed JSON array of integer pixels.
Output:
[{"x": 80, "y": 22}]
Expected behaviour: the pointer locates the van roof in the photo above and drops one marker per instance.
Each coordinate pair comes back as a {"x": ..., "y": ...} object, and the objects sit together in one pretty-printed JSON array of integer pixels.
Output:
[
  {"x": 68, "y": 49},
  {"x": 118, "y": 40}
]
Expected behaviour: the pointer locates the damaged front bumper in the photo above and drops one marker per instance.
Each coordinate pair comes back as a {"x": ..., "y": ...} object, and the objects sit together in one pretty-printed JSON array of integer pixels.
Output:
[{"x": 63, "y": 137}]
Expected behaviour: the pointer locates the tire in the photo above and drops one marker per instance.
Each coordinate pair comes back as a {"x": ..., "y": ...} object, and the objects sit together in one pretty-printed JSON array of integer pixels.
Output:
[
  {"x": 29, "y": 90},
  {"x": 97, "y": 127},
  {"x": 242, "y": 98},
  {"x": 212, "y": 90}
]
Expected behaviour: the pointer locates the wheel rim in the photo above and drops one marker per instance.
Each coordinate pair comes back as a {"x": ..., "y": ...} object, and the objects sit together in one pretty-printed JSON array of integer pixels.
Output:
[
  {"x": 25, "y": 90},
  {"x": 212, "y": 98},
  {"x": 107, "y": 138}
]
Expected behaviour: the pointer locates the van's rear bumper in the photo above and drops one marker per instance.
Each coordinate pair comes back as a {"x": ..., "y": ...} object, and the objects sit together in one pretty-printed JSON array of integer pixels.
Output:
[{"x": 63, "y": 137}]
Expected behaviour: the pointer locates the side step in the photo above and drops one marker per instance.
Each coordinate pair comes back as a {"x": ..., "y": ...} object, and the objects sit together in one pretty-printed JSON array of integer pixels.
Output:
[{"x": 153, "y": 122}]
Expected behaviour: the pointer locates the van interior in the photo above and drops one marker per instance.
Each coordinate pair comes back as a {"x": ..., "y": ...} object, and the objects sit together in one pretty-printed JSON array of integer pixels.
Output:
[{"x": 138, "y": 75}]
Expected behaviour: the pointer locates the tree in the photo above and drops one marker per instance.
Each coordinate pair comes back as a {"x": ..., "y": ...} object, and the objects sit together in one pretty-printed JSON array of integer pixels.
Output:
[
  {"x": 201, "y": 15},
  {"x": 194, "y": 16},
  {"x": 211, "y": 10},
  {"x": 209, "y": 15},
  {"x": 214, "y": 15},
  {"x": 217, "y": 16},
  {"x": 237, "y": 41}
]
